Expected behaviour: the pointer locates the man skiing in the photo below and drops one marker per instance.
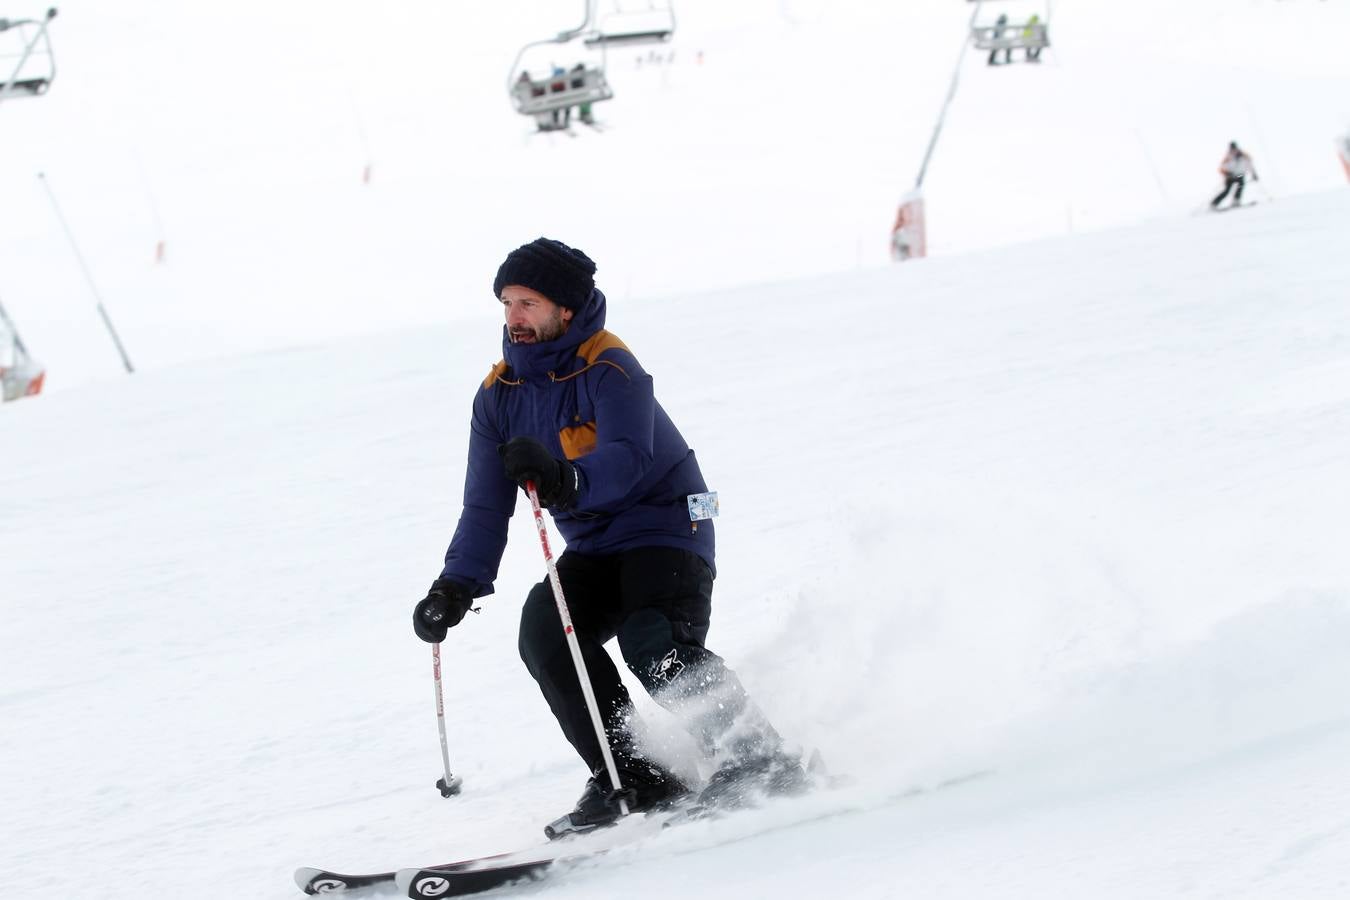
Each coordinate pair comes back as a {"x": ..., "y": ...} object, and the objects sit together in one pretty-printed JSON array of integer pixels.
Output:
[
  {"x": 570, "y": 408},
  {"x": 1235, "y": 167}
]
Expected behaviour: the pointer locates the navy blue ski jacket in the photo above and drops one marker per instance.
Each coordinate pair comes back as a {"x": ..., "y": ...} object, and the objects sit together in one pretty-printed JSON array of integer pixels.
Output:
[{"x": 585, "y": 397}]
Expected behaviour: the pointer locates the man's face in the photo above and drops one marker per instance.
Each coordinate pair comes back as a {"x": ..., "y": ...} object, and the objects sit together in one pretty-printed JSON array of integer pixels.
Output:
[{"x": 532, "y": 318}]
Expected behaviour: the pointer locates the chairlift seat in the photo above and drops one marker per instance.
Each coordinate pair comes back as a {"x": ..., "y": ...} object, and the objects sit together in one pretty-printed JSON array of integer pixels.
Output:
[
  {"x": 26, "y": 87},
  {"x": 622, "y": 39},
  {"x": 626, "y": 25},
  {"x": 27, "y": 66},
  {"x": 542, "y": 96},
  {"x": 1011, "y": 36}
]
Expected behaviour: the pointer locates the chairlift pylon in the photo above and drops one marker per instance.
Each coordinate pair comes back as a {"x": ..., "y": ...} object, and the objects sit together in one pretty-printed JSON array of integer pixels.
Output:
[{"x": 27, "y": 65}]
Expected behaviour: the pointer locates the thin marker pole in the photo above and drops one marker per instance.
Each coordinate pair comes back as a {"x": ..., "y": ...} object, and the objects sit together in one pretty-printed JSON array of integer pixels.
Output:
[{"x": 117, "y": 342}]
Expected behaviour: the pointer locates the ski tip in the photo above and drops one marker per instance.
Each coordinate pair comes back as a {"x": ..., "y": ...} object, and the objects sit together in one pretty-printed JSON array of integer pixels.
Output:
[
  {"x": 418, "y": 883},
  {"x": 321, "y": 881}
]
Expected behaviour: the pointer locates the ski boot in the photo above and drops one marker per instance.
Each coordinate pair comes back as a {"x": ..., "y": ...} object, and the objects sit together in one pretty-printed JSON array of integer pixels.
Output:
[{"x": 646, "y": 787}]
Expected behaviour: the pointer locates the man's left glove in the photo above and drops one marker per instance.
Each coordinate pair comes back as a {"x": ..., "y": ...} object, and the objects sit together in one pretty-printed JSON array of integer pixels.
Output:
[
  {"x": 555, "y": 480},
  {"x": 442, "y": 609}
]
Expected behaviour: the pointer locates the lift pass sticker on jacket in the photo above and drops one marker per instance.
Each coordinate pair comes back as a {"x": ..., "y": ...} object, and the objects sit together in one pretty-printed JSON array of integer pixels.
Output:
[{"x": 703, "y": 506}]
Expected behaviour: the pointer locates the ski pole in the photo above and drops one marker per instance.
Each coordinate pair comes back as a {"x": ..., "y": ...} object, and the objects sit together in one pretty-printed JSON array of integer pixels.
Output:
[
  {"x": 450, "y": 784},
  {"x": 587, "y": 691}
]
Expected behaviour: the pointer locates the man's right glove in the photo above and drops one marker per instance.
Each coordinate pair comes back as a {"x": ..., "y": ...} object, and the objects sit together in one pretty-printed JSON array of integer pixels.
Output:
[
  {"x": 442, "y": 609},
  {"x": 555, "y": 480}
]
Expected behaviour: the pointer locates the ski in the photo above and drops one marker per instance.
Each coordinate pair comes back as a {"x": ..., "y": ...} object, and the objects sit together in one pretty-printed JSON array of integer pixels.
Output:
[
  {"x": 472, "y": 876},
  {"x": 322, "y": 881},
  {"x": 1208, "y": 210},
  {"x": 494, "y": 872},
  {"x": 489, "y": 871},
  {"x": 429, "y": 884},
  {"x": 484, "y": 872},
  {"x": 325, "y": 881}
]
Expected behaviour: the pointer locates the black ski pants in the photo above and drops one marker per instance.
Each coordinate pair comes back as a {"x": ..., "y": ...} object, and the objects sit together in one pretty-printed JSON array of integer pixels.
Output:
[
  {"x": 1228, "y": 182},
  {"x": 657, "y": 601}
]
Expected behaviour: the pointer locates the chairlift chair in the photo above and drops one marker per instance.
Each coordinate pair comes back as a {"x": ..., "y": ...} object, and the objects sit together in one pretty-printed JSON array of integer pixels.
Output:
[
  {"x": 1011, "y": 35},
  {"x": 629, "y": 23},
  {"x": 547, "y": 98},
  {"x": 27, "y": 65},
  {"x": 561, "y": 90}
]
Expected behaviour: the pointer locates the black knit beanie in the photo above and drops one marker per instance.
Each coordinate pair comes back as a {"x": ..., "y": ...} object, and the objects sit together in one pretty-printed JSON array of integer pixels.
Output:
[{"x": 562, "y": 274}]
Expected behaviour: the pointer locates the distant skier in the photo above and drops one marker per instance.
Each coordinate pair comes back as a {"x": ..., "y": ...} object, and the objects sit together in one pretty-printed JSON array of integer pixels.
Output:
[
  {"x": 1033, "y": 38},
  {"x": 1235, "y": 167},
  {"x": 561, "y": 117},
  {"x": 571, "y": 408},
  {"x": 1000, "y": 26}
]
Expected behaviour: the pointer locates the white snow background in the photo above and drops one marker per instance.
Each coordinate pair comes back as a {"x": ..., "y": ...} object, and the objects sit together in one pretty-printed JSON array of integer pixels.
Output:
[{"x": 1062, "y": 507}]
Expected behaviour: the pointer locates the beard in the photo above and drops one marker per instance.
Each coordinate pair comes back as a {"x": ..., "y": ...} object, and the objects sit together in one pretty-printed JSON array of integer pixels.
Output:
[{"x": 550, "y": 329}]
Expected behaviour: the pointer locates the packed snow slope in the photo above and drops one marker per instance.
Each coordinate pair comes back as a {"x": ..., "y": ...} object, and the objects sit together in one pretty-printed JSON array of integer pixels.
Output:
[
  {"x": 1067, "y": 518},
  {"x": 770, "y": 140}
]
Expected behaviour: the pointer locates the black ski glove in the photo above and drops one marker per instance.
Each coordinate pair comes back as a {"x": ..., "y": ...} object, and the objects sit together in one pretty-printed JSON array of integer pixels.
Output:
[
  {"x": 442, "y": 609},
  {"x": 555, "y": 480}
]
